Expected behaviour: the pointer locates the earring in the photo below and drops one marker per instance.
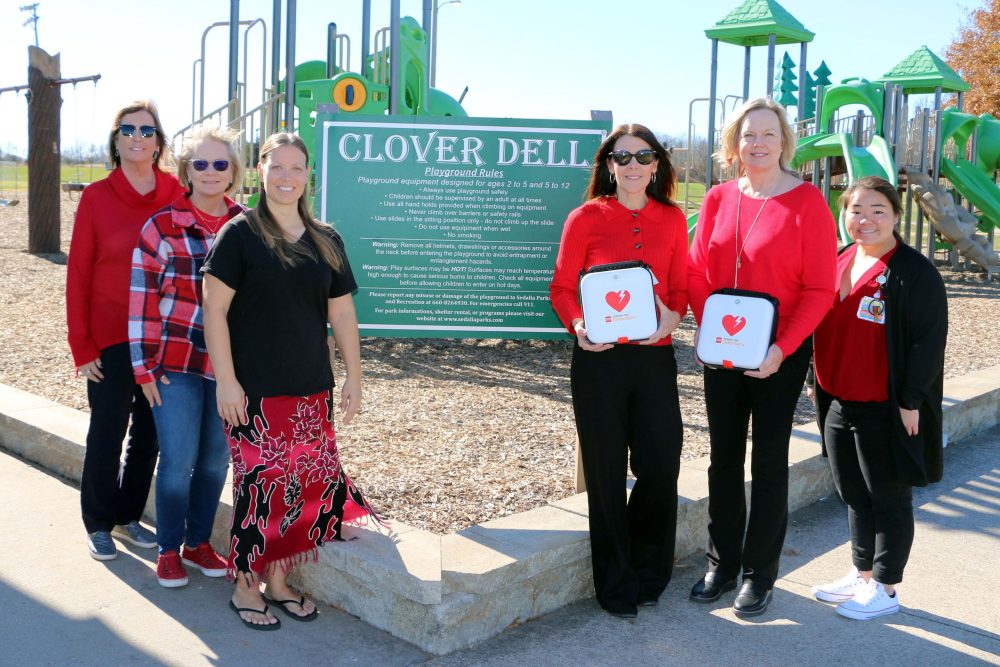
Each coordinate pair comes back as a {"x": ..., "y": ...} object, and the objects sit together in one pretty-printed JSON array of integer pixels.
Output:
[
  {"x": 654, "y": 177},
  {"x": 156, "y": 155},
  {"x": 611, "y": 176},
  {"x": 116, "y": 151}
]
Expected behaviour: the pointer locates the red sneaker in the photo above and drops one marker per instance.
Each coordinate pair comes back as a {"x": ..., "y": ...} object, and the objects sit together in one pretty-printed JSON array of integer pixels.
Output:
[
  {"x": 205, "y": 558},
  {"x": 169, "y": 571}
]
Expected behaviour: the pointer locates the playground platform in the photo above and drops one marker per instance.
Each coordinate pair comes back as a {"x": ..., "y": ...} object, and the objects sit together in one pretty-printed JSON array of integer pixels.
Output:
[{"x": 442, "y": 594}]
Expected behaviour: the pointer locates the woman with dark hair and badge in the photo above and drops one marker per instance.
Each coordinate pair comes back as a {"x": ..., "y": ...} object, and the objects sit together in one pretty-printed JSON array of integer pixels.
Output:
[{"x": 879, "y": 360}]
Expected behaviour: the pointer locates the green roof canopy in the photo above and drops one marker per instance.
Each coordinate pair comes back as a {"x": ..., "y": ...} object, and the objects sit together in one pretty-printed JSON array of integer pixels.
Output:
[
  {"x": 752, "y": 22},
  {"x": 922, "y": 71}
]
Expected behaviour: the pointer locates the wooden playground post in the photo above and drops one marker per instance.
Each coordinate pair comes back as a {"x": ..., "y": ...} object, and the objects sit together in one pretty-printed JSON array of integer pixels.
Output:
[{"x": 44, "y": 158}]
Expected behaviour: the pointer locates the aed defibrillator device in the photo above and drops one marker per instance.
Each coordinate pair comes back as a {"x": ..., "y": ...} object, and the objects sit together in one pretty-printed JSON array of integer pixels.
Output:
[
  {"x": 618, "y": 302},
  {"x": 737, "y": 328}
]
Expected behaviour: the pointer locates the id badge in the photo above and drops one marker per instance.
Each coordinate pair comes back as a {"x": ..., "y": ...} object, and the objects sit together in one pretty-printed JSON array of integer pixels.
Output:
[{"x": 872, "y": 310}]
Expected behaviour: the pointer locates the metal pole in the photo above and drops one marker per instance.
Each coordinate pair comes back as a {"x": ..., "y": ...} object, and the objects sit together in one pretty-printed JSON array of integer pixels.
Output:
[
  {"x": 366, "y": 36},
  {"x": 395, "y": 92},
  {"x": 771, "y": 42},
  {"x": 899, "y": 117},
  {"x": 888, "y": 107},
  {"x": 428, "y": 28},
  {"x": 276, "y": 45},
  {"x": 234, "y": 56},
  {"x": 290, "y": 68},
  {"x": 938, "y": 144},
  {"x": 820, "y": 92},
  {"x": 801, "y": 110},
  {"x": 827, "y": 166},
  {"x": 746, "y": 74},
  {"x": 434, "y": 43},
  {"x": 711, "y": 113},
  {"x": 924, "y": 132},
  {"x": 331, "y": 48}
]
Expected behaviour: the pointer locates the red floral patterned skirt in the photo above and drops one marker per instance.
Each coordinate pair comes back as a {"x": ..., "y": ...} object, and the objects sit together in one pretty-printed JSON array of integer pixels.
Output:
[{"x": 290, "y": 493}]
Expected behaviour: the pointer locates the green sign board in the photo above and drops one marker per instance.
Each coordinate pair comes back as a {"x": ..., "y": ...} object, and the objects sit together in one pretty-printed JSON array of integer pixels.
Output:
[{"x": 452, "y": 224}]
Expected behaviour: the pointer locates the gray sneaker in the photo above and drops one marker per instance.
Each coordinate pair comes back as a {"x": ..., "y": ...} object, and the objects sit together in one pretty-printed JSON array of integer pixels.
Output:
[
  {"x": 134, "y": 532},
  {"x": 101, "y": 546}
]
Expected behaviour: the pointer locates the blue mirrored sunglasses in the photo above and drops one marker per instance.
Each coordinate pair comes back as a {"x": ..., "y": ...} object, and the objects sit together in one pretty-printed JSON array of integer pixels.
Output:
[
  {"x": 145, "y": 130},
  {"x": 202, "y": 165}
]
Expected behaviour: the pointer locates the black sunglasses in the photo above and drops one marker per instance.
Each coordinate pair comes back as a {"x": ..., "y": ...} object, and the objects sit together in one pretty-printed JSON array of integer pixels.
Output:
[
  {"x": 145, "y": 130},
  {"x": 202, "y": 165},
  {"x": 645, "y": 156}
]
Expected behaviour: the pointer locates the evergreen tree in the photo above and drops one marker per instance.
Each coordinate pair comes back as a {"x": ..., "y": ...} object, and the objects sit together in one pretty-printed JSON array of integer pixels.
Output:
[{"x": 787, "y": 86}]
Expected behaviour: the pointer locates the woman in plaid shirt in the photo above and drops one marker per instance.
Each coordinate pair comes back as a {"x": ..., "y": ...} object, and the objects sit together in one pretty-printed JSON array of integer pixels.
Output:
[{"x": 169, "y": 358}]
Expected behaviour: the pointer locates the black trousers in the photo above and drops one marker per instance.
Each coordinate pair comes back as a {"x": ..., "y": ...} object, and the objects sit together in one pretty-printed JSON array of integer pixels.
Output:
[
  {"x": 112, "y": 493},
  {"x": 879, "y": 506},
  {"x": 736, "y": 545},
  {"x": 625, "y": 401}
]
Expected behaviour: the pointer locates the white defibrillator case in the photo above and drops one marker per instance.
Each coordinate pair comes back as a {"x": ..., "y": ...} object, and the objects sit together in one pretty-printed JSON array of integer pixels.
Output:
[
  {"x": 737, "y": 328},
  {"x": 618, "y": 302}
]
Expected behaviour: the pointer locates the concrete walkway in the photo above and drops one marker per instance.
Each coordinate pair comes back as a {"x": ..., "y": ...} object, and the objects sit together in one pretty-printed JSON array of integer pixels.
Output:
[{"x": 62, "y": 607}]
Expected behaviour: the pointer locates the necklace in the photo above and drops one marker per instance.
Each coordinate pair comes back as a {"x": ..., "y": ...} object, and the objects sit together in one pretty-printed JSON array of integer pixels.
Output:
[
  {"x": 741, "y": 247},
  {"x": 210, "y": 222}
]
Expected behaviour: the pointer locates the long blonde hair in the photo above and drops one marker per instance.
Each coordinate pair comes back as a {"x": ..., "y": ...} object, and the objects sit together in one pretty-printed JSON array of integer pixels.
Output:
[{"x": 264, "y": 224}]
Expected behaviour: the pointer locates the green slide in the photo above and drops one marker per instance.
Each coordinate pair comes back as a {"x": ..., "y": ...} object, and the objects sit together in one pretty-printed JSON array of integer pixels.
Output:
[
  {"x": 974, "y": 185},
  {"x": 873, "y": 160}
]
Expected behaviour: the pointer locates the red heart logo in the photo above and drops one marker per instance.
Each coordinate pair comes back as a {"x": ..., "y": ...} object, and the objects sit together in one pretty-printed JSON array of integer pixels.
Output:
[
  {"x": 618, "y": 300},
  {"x": 733, "y": 324}
]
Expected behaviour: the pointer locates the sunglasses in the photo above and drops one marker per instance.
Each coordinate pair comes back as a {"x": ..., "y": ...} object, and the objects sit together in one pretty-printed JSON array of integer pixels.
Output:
[
  {"x": 145, "y": 130},
  {"x": 202, "y": 165},
  {"x": 645, "y": 156}
]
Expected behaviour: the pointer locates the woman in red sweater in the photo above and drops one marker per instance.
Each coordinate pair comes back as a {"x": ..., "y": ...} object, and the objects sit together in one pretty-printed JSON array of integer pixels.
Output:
[
  {"x": 768, "y": 232},
  {"x": 625, "y": 396},
  {"x": 108, "y": 220}
]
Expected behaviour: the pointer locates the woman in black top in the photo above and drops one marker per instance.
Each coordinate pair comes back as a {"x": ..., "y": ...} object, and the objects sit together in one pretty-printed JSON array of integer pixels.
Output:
[{"x": 273, "y": 280}]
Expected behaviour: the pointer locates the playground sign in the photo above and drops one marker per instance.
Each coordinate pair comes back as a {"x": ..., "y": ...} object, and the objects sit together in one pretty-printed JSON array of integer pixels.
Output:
[{"x": 452, "y": 224}]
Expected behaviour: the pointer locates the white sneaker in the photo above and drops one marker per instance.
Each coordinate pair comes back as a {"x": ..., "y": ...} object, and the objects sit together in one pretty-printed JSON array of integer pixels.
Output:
[
  {"x": 870, "y": 603},
  {"x": 842, "y": 589}
]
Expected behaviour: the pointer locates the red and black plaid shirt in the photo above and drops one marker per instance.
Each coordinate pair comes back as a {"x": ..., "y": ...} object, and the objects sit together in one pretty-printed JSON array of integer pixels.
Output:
[{"x": 165, "y": 320}]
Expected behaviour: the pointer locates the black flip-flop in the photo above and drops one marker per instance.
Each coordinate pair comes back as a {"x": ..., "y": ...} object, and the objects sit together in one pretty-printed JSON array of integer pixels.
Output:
[
  {"x": 251, "y": 624},
  {"x": 302, "y": 605}
]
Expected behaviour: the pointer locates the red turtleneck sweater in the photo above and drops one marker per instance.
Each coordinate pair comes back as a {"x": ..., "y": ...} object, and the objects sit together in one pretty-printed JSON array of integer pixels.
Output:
[{"x": 105, "y": 233}]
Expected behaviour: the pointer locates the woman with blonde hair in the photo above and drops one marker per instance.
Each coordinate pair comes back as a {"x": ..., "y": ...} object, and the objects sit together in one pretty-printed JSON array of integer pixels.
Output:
[
  {"x": 274, "y": 280},
  {"x": 108, "y": 219},
  {"x": 766, "y": 231},
  {"x": 169, "y": 357}
]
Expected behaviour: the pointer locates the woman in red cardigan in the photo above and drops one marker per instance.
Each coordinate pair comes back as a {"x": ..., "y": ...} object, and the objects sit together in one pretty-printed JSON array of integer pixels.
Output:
[
  {"x": 769, "y": 232},
  {"x": 625, "y": 396},
  {"x": 106, "y": 229}
]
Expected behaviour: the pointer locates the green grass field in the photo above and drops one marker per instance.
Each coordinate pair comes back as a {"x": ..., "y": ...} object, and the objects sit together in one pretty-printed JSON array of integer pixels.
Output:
[{"x": 17, "y": 180}]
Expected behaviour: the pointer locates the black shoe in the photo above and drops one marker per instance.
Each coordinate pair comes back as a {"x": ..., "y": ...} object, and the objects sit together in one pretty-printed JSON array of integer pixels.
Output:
[
  {"x": 711, "y": 587},
  {"x": 648, "y": 600},
  {"x": 752, "y": 599},
  {"x": 621, "y": 610}
]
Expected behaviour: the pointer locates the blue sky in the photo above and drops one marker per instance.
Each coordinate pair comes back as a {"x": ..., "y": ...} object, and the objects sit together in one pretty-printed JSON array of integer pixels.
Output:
[{"x": 645, "y": 60}]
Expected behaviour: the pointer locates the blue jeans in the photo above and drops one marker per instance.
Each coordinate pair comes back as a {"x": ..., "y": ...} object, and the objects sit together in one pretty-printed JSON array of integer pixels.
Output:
[{"x": 194, "y": 457}]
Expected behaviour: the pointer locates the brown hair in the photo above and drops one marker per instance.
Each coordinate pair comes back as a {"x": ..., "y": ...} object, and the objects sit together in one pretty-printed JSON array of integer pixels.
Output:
[
  {"x": 877, "y": 184},
  {"x": 264, "y": 224},
  {"x": 161, "y": 157},
  {"x": 194, "y": 138},
  {"x": 661, "y": 189},
  {"x": 729, "y": 144}
]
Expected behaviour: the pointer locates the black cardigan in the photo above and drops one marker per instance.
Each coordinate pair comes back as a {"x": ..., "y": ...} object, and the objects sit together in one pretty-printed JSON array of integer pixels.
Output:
[{"x": 916, "y": 331}]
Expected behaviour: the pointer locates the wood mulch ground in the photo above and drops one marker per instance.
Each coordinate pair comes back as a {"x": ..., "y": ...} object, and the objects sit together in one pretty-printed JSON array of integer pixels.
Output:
[{"x": 452, "y": 432}]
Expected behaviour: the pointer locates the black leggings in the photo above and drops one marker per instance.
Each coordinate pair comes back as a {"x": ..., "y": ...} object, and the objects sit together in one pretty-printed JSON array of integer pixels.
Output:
[
  {"x": 111, "y": 493},
  {"x": 625, "y": 401},
  {"x": 880, "y": 507},
  {"x": 735, "y": 545}
]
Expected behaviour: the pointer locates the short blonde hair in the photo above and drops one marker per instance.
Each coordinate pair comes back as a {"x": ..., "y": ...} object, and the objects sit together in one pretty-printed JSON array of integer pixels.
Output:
[
  {"x": 194, "y": 138},
  {"x": 729, "y": 145}
]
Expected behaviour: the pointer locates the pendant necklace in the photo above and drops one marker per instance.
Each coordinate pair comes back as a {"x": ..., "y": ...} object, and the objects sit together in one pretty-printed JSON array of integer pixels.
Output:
[{"x": 741, "y": 247}]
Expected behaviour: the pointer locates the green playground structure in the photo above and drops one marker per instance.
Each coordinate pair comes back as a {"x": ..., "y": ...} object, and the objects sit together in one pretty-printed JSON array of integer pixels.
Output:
[
  {"x": 361, "y": 94},
  {"x": 861, "y": 128}
]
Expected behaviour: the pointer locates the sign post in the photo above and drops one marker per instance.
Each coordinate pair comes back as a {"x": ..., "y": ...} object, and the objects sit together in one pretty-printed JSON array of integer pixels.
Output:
[{"x": 452, "y": 224}]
